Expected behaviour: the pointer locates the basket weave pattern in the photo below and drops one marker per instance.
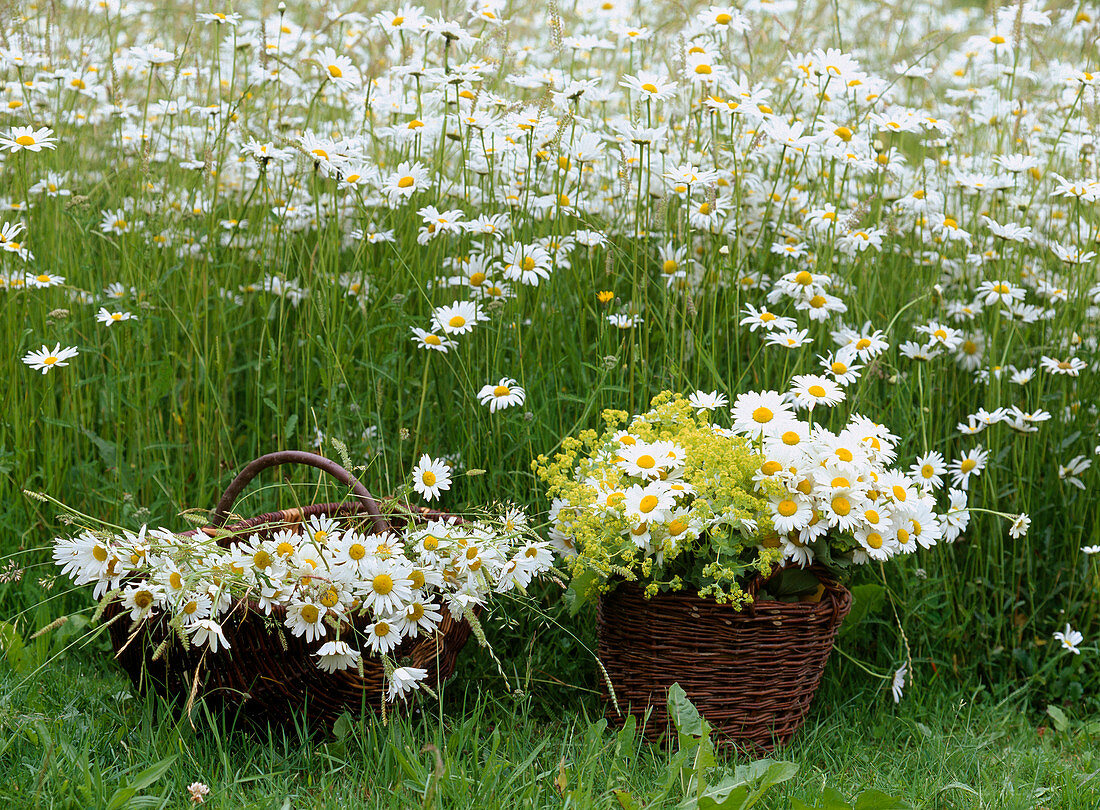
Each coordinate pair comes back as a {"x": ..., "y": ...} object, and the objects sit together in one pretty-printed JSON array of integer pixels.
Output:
[
  {"x": 268, "y": 673},
  {"x": 752, "y": 674}
]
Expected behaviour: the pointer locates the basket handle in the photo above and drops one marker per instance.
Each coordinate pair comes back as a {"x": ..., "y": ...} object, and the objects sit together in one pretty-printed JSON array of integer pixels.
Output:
[{"x": 221, "y": 511}]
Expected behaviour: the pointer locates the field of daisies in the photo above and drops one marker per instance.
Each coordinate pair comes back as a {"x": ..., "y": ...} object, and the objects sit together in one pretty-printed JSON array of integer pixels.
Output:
[{"x": 435, "y": 241}]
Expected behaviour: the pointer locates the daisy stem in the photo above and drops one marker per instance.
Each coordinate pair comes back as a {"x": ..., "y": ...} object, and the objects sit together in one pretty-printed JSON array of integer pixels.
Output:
[{"x": 420, "y": 408}]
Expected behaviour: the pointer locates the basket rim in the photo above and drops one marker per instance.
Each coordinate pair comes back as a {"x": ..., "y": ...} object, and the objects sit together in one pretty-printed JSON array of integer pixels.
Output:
[{"x": 839, "y": 596}]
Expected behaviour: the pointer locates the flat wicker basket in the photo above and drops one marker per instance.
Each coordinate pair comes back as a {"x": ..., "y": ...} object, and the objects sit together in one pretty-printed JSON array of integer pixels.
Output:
[
  {"x": 752, "y": 674},
  {"x": 269, "y": 675}
]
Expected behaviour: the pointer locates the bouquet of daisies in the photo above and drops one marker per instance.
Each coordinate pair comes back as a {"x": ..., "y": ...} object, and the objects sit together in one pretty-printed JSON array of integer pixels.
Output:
[
  {"x": 350, "y": 592},
  {"x": 670, "y": 497}
]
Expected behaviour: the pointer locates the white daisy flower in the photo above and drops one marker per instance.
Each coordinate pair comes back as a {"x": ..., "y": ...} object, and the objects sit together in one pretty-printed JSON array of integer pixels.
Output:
[
  {"x": 702, "y": 401},
  {"x": 336, "y": 655},
  {"x": 458, "y": 318},
  {"x": 811, "y": 390},
  {"x": 106, "y": 317},
  {"x": 759, "y": 413},
  {"x": 503, "y": 395},
  {"x": 209, "y": 632},
  {"x": 306, "y": 618},
  {"x": 431, "y": 477},
  {"x": 383, "y": 636},
  {"x": 1070, "y": 639},
  {"x": 45, "y": 359},
  {"x": 405, "y": 680}
]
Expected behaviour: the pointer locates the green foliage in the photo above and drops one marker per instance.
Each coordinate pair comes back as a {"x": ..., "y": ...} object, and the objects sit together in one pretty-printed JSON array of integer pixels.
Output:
[
  {"x": 679, "y": 549},
  {"x": 866, "y": 600}
]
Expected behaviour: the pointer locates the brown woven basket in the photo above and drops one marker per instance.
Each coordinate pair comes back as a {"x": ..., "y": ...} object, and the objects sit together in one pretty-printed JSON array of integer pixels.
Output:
[
  {"x": 752, "y": 674},
  {"x": 258, "y": 675}
]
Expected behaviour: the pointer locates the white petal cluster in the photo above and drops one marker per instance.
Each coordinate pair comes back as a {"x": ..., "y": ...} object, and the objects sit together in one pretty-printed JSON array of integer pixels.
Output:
[{"x": 349, "y": 592}]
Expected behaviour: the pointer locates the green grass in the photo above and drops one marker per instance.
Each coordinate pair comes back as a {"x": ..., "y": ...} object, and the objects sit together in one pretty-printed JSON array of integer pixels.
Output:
[
  {"x": 155, "y": 415},
  {"x": 75, "y": 738}
]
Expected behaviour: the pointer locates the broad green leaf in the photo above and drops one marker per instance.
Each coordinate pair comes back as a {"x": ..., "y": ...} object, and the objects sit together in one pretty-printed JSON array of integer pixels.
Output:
[
  {"x": 778, "y": 773},
  {"x": 11, "y": 640},
  {"x": 1061, "y": 722},
  {"x": 684, "y": 714},
  {"x": 626, "y": 801},
  {"x": 152, "y": 773},
  {"x": 866, "y": 599},
  {"x": 108, "y": 451},
  {"x": 576, "y": 595},
  {"x": 831, "y": 799},
  {"x": 729, "y": 798},
  {"x": 342, "y": 727},
  {"x": 793, "y": 582}
]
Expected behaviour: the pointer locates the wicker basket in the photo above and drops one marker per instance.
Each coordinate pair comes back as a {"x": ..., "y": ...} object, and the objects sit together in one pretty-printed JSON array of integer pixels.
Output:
[
  {"x": 258, "y": 675},
  {"x": 752, "y": 674}
]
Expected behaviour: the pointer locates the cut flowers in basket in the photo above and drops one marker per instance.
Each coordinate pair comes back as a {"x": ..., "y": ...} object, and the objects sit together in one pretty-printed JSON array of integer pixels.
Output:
[
  {"x": 671, "y": 498},
  {"x": 349, "y": 592}
]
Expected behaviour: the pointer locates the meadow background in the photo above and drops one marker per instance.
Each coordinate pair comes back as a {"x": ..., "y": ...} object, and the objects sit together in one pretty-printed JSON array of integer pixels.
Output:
[{"x": 215, "y": 178}]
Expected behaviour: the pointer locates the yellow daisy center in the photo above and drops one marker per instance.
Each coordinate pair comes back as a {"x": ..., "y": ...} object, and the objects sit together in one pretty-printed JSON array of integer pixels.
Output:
[
  {"x": 770, "y": 467},
  {"x": 762, "y": 415}
]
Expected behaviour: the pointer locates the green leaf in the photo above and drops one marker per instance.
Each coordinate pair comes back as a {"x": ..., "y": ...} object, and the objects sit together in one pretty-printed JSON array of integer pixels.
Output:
[
  {"x": 125, "y": 796},
  {"x": 626, "y": 801},
  {"x": 626, "y": 738},
  {"x": 578, "y": 591},
  {"x": 866, "y": 599},
  {"x": 1061, "y": 722},
  {"x": 14, "y": 650},
  {"x": 872, "y": 799},
  {"x": 342, "y": 727},
  {"x": 684, "y": 714},
  {"x": 793, "y": 582},
  {"x": 832, "y": 799},
  {"x": 777, "y": 773},
  {"x": 732, "y": 797},
  {"x": 108, "y": 451}
]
